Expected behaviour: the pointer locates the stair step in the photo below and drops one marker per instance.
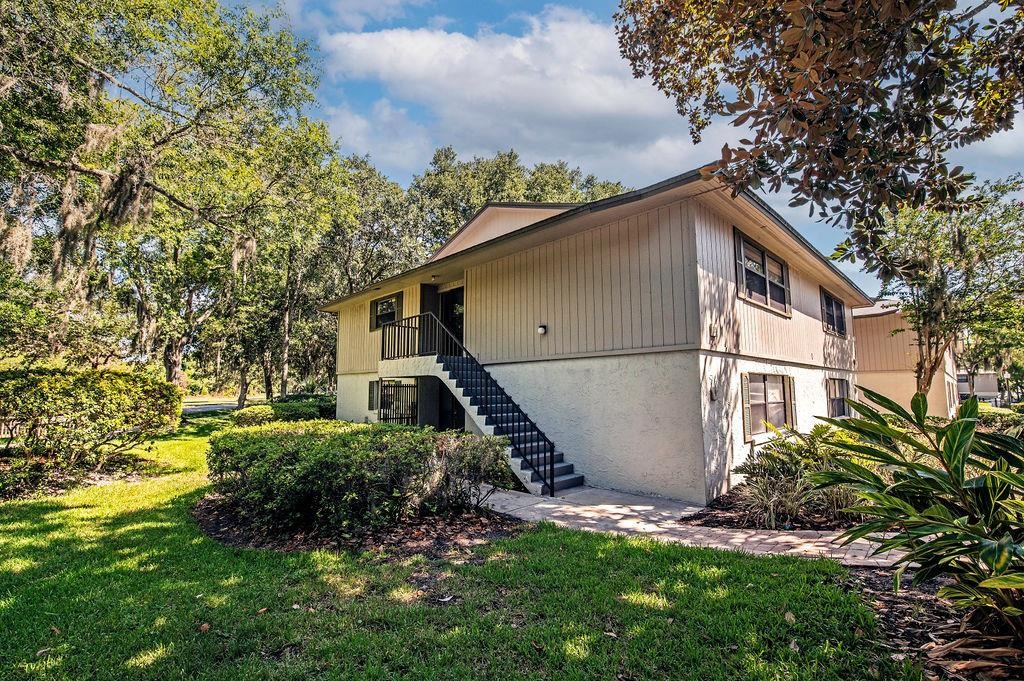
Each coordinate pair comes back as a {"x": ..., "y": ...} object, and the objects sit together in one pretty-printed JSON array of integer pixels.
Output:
[
  {"x": 565, "y": 482},
  {"x": 490, "y": 401},
  {"x": 509, "y": 419},
  {"x": 529, "y": 446},
  {"x": 560, "y": 469},
  {"x": 539, "y": 460},
  {"x": 522, "y": 439}
]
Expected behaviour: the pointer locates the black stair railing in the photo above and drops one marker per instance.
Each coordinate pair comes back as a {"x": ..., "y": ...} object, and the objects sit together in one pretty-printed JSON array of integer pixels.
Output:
[{"x": 424, "y": 335}]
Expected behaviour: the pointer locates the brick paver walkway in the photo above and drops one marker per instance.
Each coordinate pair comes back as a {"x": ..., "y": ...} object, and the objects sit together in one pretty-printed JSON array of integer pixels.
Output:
[{"x": 598, "y": 510}]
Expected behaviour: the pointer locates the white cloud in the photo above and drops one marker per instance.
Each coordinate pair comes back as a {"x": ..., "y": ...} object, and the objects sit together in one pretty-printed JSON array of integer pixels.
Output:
[
  {"x": 348, "y": 14},
  {"x": 559, "y": 90},
  {"x": 386, "y": 133}
]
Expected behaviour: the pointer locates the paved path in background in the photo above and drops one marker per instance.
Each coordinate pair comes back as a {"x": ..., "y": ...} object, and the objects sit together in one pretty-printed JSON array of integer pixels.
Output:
[
  {"x": 598, "y": 510},
  {"x": 205, "y": 406}
]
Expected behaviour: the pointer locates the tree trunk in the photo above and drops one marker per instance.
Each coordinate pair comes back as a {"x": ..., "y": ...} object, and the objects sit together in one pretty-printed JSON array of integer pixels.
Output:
[
  {"x": 286, "y": 338},
  {"x": 216, "y": 370},
  {"x": 970, "y": 383},
  {"x": 243, "y": 385},
  {"x": 268, "y": 376},
  {"x": 290, "y": 296},
  {"x": 173, "y": 353}
]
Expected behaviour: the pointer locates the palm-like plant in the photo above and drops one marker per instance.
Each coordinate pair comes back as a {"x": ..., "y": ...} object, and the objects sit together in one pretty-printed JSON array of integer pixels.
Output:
[{"x": 951, "y": 499}]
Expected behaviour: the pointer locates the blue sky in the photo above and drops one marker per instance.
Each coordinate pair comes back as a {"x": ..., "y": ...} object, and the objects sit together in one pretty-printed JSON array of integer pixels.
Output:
[{"x": 403, "y": 77}]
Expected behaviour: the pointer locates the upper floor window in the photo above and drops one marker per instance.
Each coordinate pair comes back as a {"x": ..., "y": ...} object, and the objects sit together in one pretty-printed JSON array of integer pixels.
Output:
[
  {"x": 837, "y": 390},
  {"x": 761, "y": 276},
  {"x": 385, "y": 310},
  {"x": 833, "y": 313}
]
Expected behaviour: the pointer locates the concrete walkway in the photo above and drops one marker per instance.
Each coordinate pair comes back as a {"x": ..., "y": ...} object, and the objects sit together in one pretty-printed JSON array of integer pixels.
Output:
[{"x": 598, "y": 510}]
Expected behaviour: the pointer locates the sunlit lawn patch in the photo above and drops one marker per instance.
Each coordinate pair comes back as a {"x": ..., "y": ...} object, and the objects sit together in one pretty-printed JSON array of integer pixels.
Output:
[{"x": 118, "y": 582}]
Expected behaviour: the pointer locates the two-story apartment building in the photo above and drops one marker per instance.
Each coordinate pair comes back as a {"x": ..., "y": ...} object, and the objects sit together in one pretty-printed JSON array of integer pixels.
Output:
[{"x": 640, "y": 342}]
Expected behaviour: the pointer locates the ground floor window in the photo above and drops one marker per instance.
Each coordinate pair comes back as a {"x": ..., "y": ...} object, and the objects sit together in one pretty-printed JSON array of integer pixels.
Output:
[
  {"x": 767, "y": 400},
  {"x": 374, "y": 397},
  {"x": 837, "y": 391}
]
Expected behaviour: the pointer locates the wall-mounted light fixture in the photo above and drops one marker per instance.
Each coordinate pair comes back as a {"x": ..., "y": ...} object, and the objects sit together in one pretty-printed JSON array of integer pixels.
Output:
[{"x": 542, "y": 329}]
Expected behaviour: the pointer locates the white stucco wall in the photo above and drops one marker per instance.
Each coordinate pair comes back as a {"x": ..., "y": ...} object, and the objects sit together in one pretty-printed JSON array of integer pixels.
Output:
[
  {"x": 353, "y": 397},
  {"x": 628, "y": 422},
  {"x": 722, "y": 409}
]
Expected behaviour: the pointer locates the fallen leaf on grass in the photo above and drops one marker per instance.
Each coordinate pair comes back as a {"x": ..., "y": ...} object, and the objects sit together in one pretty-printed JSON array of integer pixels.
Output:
[
  {"x": 204, "y": 627},
  {"x": 536, "y": 646},
  {"x": 55, "y": 630},
  {"x": 44, "y": 651},
  {"x": 261, "y": 611},
  {"x": 445, "y": 599},
  {"x": 794, "y": 646},
  {"x": 790, "y": 617},
  {"x": 611, "y": 634}
]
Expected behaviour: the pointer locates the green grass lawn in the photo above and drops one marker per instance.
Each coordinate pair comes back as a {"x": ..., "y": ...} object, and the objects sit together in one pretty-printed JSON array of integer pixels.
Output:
[{"x": 116, "y": 581}]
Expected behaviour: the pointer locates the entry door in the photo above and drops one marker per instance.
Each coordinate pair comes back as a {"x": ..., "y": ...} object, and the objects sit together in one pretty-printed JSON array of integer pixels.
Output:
[{"x": 453, "y": 311}]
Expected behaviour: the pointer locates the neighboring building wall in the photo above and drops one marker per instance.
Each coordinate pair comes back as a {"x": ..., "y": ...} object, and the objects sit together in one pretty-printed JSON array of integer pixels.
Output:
[
  {"x": 629, "y": 422},
  {"x": 886, "y": 361},
  {"x": 617, "y": 288}
]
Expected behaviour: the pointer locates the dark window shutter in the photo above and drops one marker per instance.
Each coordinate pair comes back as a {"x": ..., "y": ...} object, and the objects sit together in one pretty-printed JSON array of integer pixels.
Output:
[
  {"x": 372, "y": 401},
  {"x": 741, "y": 277},
  {"x": 824, "y": 312},
  {"x": 790, "y": 403},
  {"x": 745, "y": 396}
]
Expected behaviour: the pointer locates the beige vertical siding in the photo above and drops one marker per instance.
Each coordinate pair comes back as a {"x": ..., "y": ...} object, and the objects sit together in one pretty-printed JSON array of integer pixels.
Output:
[
  {"x": 880, "y": 349},
  {"x": 749, "y": 329},
  {"x": 618, "y": 287},
  {"x": 358, "y": 347}
]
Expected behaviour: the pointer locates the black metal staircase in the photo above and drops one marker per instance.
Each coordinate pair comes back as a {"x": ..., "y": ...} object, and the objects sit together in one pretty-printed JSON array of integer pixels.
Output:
[{"x": 424, "y": 335}]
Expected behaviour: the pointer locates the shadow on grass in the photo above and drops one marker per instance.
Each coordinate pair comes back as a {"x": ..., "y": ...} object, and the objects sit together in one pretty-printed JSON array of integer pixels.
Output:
[{"x": 121, "y": 583}]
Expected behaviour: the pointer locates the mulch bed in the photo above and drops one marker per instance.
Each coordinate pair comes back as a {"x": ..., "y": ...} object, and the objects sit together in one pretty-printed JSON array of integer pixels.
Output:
[
  {"x": 919, "y": 626},
  {"x": 431, "y": 536},
  {"x": 726, "y": 511}
]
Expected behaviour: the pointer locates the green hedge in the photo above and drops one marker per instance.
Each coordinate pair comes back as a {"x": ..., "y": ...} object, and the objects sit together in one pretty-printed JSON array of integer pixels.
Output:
[
  {"x": 260, "y": 414},
  {"x": 325, "y": 404},
  {"x": 1000, "y": 419},
  {"x": 76, "y": 416},
  {"x": 346, "y": 477}
]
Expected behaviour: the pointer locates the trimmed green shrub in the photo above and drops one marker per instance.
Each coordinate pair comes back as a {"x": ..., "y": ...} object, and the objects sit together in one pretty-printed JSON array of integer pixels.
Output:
[
  {"x": 951, "y": 499},
  {"x": 325, "y": 404},
  {"x": 346, "y": 477},
  {"x": 1017, "y": 408},
  {"x": 999, "y": 420},
  {"x": 259, "y": 414},
  {"x": 777, "y": 488},
  {"x": 84, "y": 416}
]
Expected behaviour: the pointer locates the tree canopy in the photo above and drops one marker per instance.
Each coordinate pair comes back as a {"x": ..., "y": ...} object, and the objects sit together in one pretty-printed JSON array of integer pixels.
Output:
[
  {"x": 853, "y": 106},
  {"x": 957, "y": 276},
  {"x": 164, "y": 201},
  {"x": 450, "y": 191}
]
